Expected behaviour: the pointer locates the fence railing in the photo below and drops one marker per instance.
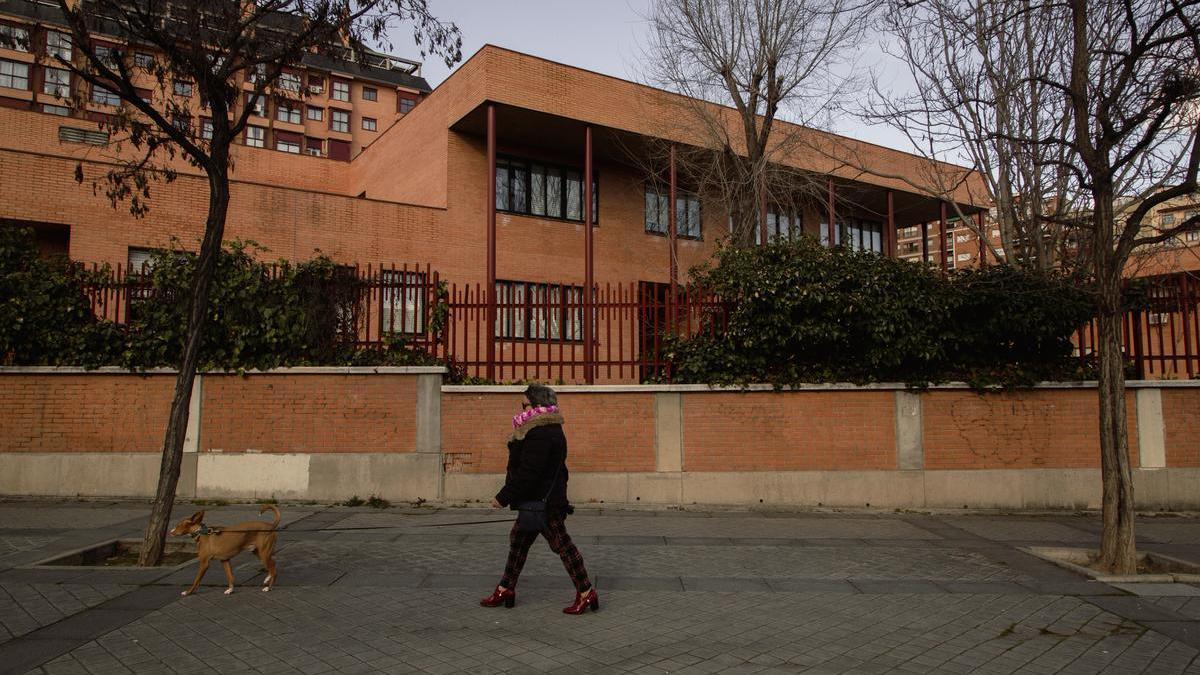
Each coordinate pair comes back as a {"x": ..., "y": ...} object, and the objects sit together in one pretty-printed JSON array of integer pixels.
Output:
[
  {"x": 1161, "y": 340},
  {"x": 538, "y": 328}
]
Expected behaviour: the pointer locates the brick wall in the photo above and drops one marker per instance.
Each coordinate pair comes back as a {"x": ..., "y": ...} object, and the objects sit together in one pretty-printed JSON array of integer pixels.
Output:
[
  {"x": 309, "y": 413},
  {"x": 605, "y": 432},
  {"x": 1033, "y": 429},
  {"x": 1181, "y": 426},
  {"x": 793, "y": 431},
  {"x": 83, "y": 413}
]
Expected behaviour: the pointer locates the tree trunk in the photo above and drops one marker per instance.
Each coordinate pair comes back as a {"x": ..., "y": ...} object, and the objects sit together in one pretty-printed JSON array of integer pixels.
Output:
[
  {"x": 172, "y": 453},
  {"x": 1118, "y": 552}
]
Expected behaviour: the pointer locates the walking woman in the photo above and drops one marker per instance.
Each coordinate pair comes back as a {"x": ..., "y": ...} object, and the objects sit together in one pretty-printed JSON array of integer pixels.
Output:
[{"x": 536, "y": 486}]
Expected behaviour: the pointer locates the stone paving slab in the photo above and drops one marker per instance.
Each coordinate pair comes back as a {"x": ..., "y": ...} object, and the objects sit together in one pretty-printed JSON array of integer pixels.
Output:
[{"x": 680, "y": 592}]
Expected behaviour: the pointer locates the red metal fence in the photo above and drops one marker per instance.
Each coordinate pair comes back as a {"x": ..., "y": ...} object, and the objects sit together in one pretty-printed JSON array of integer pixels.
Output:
[
  {"x": 1162, "y": 340},
  {"x": 538, "y": 328}
]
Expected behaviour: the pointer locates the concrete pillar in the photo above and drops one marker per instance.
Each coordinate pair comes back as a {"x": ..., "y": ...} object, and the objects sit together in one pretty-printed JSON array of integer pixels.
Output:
[
  {"x": 910, "y": 449},
  {"x": 429, "y": 413},
  {"x": 186, "y": 487},
  {"x": 1151, "y": 448},
  {"x": 668, "y": 432}
]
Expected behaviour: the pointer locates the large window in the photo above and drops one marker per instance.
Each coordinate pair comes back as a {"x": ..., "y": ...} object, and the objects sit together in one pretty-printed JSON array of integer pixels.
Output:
[
  {"x": 289, "y": 82},
  {"x": 857, "y": 234},
  {"x": 403, "y": 302},
  {"x": 182, "y": 88},
  {"x": 58, "y": 45},
  {"x": 14, "y": 75},
  {"x": 57, "y": 82},
  {"x": 255, "y": 136},
  {"x": 14, "y": 37},
  {"x": 340, "y": 121},
  {"x": 104, "y": 96},
  {"x": 782, "y": 225},
  {"x": 531, "y": 311},
  {"x": 406, "y": 104},
  {"x": 257, "y": 103},
  {"x": 341, "y": 91},
  {"x": 368, "y": 124},
  {"x": 370, "y": 94},
  {"x": 687, "y": 214},
  {"x": 316, "y": 114},
  {"x": 288, "y": 112},
  {"x": 540, "y": 189},
  {"x": 287, "y": 145}
]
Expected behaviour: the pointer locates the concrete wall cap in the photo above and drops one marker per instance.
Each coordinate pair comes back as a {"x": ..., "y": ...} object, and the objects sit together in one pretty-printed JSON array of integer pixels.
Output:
[
  {"x": 302, "y": 370},
  {"x": 839, "y": 386}
]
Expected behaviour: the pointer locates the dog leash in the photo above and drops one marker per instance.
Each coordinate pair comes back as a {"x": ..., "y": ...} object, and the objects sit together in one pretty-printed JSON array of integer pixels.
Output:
[{"x": 219, "y": 530}]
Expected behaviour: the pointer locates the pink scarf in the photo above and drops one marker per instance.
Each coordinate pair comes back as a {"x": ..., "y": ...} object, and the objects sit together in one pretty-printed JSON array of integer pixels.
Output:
[{"x": 526, "y": 415}]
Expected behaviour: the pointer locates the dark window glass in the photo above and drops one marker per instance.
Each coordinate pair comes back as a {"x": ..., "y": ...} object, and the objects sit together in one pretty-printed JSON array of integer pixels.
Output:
[
  {"x": 502, "y": 187},
  {"x": 538, "y": 189},
  {"x": 532, "y": 311},
  {"x": 554, "y": 192},
  {"x": 687, "y": 214}
]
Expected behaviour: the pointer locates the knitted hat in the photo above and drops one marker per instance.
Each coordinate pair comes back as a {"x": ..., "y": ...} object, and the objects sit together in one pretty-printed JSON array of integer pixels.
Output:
[{"x": 541, "y": 395}]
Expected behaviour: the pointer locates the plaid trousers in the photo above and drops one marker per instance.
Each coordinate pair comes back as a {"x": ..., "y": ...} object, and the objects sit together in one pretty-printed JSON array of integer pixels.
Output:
[{"x": 559, "y": 541}]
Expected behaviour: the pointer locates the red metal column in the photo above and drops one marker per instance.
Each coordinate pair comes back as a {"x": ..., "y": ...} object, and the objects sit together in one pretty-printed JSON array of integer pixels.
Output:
[
  {"x": 490, "y": 330},
  {"x": 1184, "y": 306},
  {"x": 982, "y": 242},
  {"x": 589, "y": 348},
  {"x": 942, "y": 234},
  {"x": 889, "y": 238},
  {"x": 672, "y": 242},
  {"x": 832, "y": 215},
  {"x": 762, "y": 208},
  {"x": 925, "y": 243}
]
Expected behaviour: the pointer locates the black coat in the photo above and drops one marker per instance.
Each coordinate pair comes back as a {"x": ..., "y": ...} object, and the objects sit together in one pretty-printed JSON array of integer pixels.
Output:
[{"x": 535, "y": 452}]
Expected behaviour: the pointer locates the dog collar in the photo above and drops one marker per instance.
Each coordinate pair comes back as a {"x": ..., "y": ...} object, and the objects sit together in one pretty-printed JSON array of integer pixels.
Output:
[{"x": 204, "y": 529}]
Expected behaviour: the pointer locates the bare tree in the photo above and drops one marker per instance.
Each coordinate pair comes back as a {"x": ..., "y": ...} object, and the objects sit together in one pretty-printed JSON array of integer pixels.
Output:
[
  {"x": 1082, "y": 118},
  {"x": 767, "y": 60},
  {"x": 150, "y": 57}
]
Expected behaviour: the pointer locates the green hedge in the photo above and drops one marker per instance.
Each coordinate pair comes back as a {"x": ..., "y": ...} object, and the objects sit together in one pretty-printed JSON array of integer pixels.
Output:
[
  {"x": 803, "y": 313},
  {"x": 257, "y": 318}
]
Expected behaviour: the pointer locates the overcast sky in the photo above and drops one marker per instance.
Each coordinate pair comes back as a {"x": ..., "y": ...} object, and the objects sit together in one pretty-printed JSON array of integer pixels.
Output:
[{"x": 606, "y": 36}]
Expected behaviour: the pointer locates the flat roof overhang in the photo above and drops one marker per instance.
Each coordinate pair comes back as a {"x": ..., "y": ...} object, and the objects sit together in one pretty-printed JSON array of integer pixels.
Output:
[{"x": 556, "y": 135}]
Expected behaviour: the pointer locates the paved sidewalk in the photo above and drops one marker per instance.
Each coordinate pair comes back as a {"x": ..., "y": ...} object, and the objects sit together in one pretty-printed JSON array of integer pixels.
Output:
[{"x": 395, "y": 591}]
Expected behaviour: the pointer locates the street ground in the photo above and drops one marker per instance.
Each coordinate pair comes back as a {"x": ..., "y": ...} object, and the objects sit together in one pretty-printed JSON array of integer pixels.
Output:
[{"x": 364, "y": 590}]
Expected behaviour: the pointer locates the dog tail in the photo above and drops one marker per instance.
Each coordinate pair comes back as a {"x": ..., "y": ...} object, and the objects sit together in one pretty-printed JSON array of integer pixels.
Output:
[{"x": 273, "y": 508}]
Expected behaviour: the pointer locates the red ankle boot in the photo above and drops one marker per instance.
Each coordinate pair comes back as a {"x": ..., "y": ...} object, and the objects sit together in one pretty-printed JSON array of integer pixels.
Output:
[
  {"x": 500, "y": 596},
  {"x": 583, "y": 601}
]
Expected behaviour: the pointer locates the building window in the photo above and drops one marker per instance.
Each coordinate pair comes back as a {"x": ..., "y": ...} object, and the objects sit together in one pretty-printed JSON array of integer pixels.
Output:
[
  {"x": 56, "y": 109},
  {"x": 316, "y": 114},
  {"x": 289, "y": 82},
  {"x": 368, "y": 124},
  {"x": 316, "y": 84},
  {"x": 288, "y": 112},
  {"x": 104, "y": 96},
  {"x": 403, "y": 302},
  {"x": 255, "y": 136},
  {"x": 109, "y": 56},
  {"x": 341, "y": 91},
  {"x": 57, "y": 82},
  {"x": 182, "y": 122},
  {"x": 257, "y": 72},
  {"x": 859, "y": 235},
  {"x": 143, "y": 60},
  {"x": 58, "y": 45},
  {"x": 539, "y": 189},
  {"x": 687, "y": 214},
  {"x": 340, "y": 120},
  {"x": 532, "y": 311},
  {"x": 206, "y": 129},
  {"x": 14, "y": 75},
  {"x": 370, "y": 94},
  {"x": 287, "y": 146},
  {"x": 314, "y": 146},
  {"x": 258, "y": 104},
  {"x": 182, "y": 88},
  {"x": 14, "y": 37},
  {"x": 406, "y": 105}
]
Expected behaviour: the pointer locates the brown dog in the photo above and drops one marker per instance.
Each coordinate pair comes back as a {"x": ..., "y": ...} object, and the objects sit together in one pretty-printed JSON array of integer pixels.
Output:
[{"x": 223, "y": 543}]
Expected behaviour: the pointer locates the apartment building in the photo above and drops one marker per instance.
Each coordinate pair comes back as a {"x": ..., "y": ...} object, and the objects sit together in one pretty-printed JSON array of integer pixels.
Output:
[{"x": 339, "y": 105}]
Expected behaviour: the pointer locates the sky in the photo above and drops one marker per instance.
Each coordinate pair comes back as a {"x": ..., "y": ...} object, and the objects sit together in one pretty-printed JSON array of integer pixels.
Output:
[{"x": 606, "y": 36}]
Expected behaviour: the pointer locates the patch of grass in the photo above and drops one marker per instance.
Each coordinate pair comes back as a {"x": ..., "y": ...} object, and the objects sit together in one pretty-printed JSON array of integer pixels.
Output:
[
  {"x": 354, "y": 501},
  {"x": 268, "y": 500},
  {"x": 376, "y": 502}
]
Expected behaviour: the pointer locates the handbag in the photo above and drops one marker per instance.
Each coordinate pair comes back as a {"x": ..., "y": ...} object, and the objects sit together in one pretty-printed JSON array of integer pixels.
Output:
[{"x": 531, "y": 515}]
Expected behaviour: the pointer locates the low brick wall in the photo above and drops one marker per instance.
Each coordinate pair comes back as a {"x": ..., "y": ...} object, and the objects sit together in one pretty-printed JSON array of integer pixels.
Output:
[{"x": 329, "y": 433}]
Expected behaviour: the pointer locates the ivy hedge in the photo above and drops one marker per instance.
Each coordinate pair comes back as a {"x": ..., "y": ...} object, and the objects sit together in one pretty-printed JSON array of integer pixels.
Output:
[
  {"x": 799, "y": 312},
  {"x": 260, "y": 316}
]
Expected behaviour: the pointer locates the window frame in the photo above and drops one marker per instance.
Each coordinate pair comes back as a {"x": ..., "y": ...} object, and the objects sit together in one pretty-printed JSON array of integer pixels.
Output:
[
  {"x": 290, "y": 144},
  {"x": 261, "y": 138},
  {"x": 182, "y": 88},
  {"x": 408, "y": 300},
  {"x": 405, "y": 105},
  {"x": 13, "y": 76},
  {"x": 683, "y": 198},
  {"x": 102, "y": 98},
  {"x": 333, "y": 120},
  {"x": 374, "y": 124},
  {"x": 538, "y": 312},
  {"x": 257, "y": 104},
  {"x": 320, "y": 113},
  {"x": 65, "y": 111},
  {"x": 64, "y": 50},
  {"x": 290, "y": 82},
  {"x": 19, "y": 44},
  {"x": 337, "y": 94},
  {"x": 561, "y": 172},
  {"x": 374, "y": 94},
  {"x": 284, "y": 112},
  {"x": 143, "y": 60},
  {"x": 54, "y": 88}
]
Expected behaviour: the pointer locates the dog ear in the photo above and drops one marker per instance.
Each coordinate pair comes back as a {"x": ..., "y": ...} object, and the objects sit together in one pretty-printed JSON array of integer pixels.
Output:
[{"x": 197, "y": 516}]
